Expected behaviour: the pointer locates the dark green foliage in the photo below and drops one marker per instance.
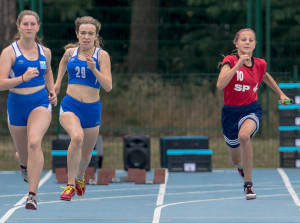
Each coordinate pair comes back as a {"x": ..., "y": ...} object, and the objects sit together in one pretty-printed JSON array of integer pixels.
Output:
[{"x": 192, "y": 33}]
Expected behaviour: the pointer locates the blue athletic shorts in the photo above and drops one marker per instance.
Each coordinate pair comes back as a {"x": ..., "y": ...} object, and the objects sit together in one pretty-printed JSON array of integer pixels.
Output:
[
  {"x": 19, "y": 106},
  {"x": 234, "y": 116},
  {"x": 89, "y": 114}
]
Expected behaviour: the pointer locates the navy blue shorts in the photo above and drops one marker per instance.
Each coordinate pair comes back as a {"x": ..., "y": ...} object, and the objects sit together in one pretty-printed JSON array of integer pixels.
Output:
[
  {"x": 19, "y": 106},
  {"x": 89, "y": 114},
  {"x": 234, "y": 116}
]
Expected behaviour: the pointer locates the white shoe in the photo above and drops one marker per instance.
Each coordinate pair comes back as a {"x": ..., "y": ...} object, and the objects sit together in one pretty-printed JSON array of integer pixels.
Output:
[
  {"x": 249, "y": 192},
  {"x": 31, "y": 202}
]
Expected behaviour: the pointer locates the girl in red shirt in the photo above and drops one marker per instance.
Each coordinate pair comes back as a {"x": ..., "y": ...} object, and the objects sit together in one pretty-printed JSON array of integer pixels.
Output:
[{"x": 240, "y": 77}]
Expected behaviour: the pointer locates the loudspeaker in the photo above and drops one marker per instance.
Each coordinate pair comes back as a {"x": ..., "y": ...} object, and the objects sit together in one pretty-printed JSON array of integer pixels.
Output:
[{"x": 137, "y": 151}]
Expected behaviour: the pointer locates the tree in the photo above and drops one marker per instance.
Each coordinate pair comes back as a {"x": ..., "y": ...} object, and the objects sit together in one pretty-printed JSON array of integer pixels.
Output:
[
  {"x": 7, "y": 22},
  {"x": 8, "y": 29},
  {"x": 143, "y": 50}
]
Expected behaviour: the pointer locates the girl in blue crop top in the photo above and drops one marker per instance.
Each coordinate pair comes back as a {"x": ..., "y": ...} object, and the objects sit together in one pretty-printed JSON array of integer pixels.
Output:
[
  {"x": 89, "y": 68},
  {"x": 26, "y": 72},
  {"x": 80, "y": 73}
]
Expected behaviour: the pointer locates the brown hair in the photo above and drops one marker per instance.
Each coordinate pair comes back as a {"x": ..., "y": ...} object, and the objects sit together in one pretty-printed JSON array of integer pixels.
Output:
[
  {"x": 87, "y": 20},
  {"x": 19, "y": 19}
]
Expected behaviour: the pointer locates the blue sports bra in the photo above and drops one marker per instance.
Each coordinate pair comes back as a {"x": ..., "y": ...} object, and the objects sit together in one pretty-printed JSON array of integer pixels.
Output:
[
  {"x": 80, "y": 73},
  {"x": 22, "y": 64}
]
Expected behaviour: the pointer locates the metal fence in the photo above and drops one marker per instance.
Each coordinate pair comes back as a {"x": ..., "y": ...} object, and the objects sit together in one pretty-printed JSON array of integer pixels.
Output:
[
  {"x": 181, "y": 97},
  {"x": 192, "y": 35}
]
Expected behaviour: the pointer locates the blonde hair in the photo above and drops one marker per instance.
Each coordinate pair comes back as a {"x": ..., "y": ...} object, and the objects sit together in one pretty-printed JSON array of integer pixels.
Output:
[
  {"x": 87, "y": 20},
  {"x": 19, "y": 20}
]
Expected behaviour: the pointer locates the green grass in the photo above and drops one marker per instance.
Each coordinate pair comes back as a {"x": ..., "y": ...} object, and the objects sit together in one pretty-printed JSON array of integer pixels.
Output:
[
  {"x": 266, "y": 153},
  {"x": 157, "y": 106}
]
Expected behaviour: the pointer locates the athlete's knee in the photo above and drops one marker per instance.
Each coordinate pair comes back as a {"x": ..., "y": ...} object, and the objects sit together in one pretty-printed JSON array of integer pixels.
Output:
[
  {"x": 34, "y": 143},
  {"x": 77, "y": 138},
  {"x": 244, "y": 138}
]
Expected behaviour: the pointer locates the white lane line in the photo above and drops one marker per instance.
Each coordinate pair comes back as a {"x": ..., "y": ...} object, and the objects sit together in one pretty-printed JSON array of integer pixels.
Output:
[
  {"x": 160, "y": 199},
  {"x": 158, "y": 209},
  {"x": 218, "y": 199},
  {"x": 23, "y": 199},
  {"x": 289, "y": 186},
  {"x": 162, "y": 190}
]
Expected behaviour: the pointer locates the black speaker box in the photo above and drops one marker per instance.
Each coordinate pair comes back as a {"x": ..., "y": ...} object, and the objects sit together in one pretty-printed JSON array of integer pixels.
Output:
[
  {"x": 181, "y": 142},
  {"x": 137, "y": 151}
]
